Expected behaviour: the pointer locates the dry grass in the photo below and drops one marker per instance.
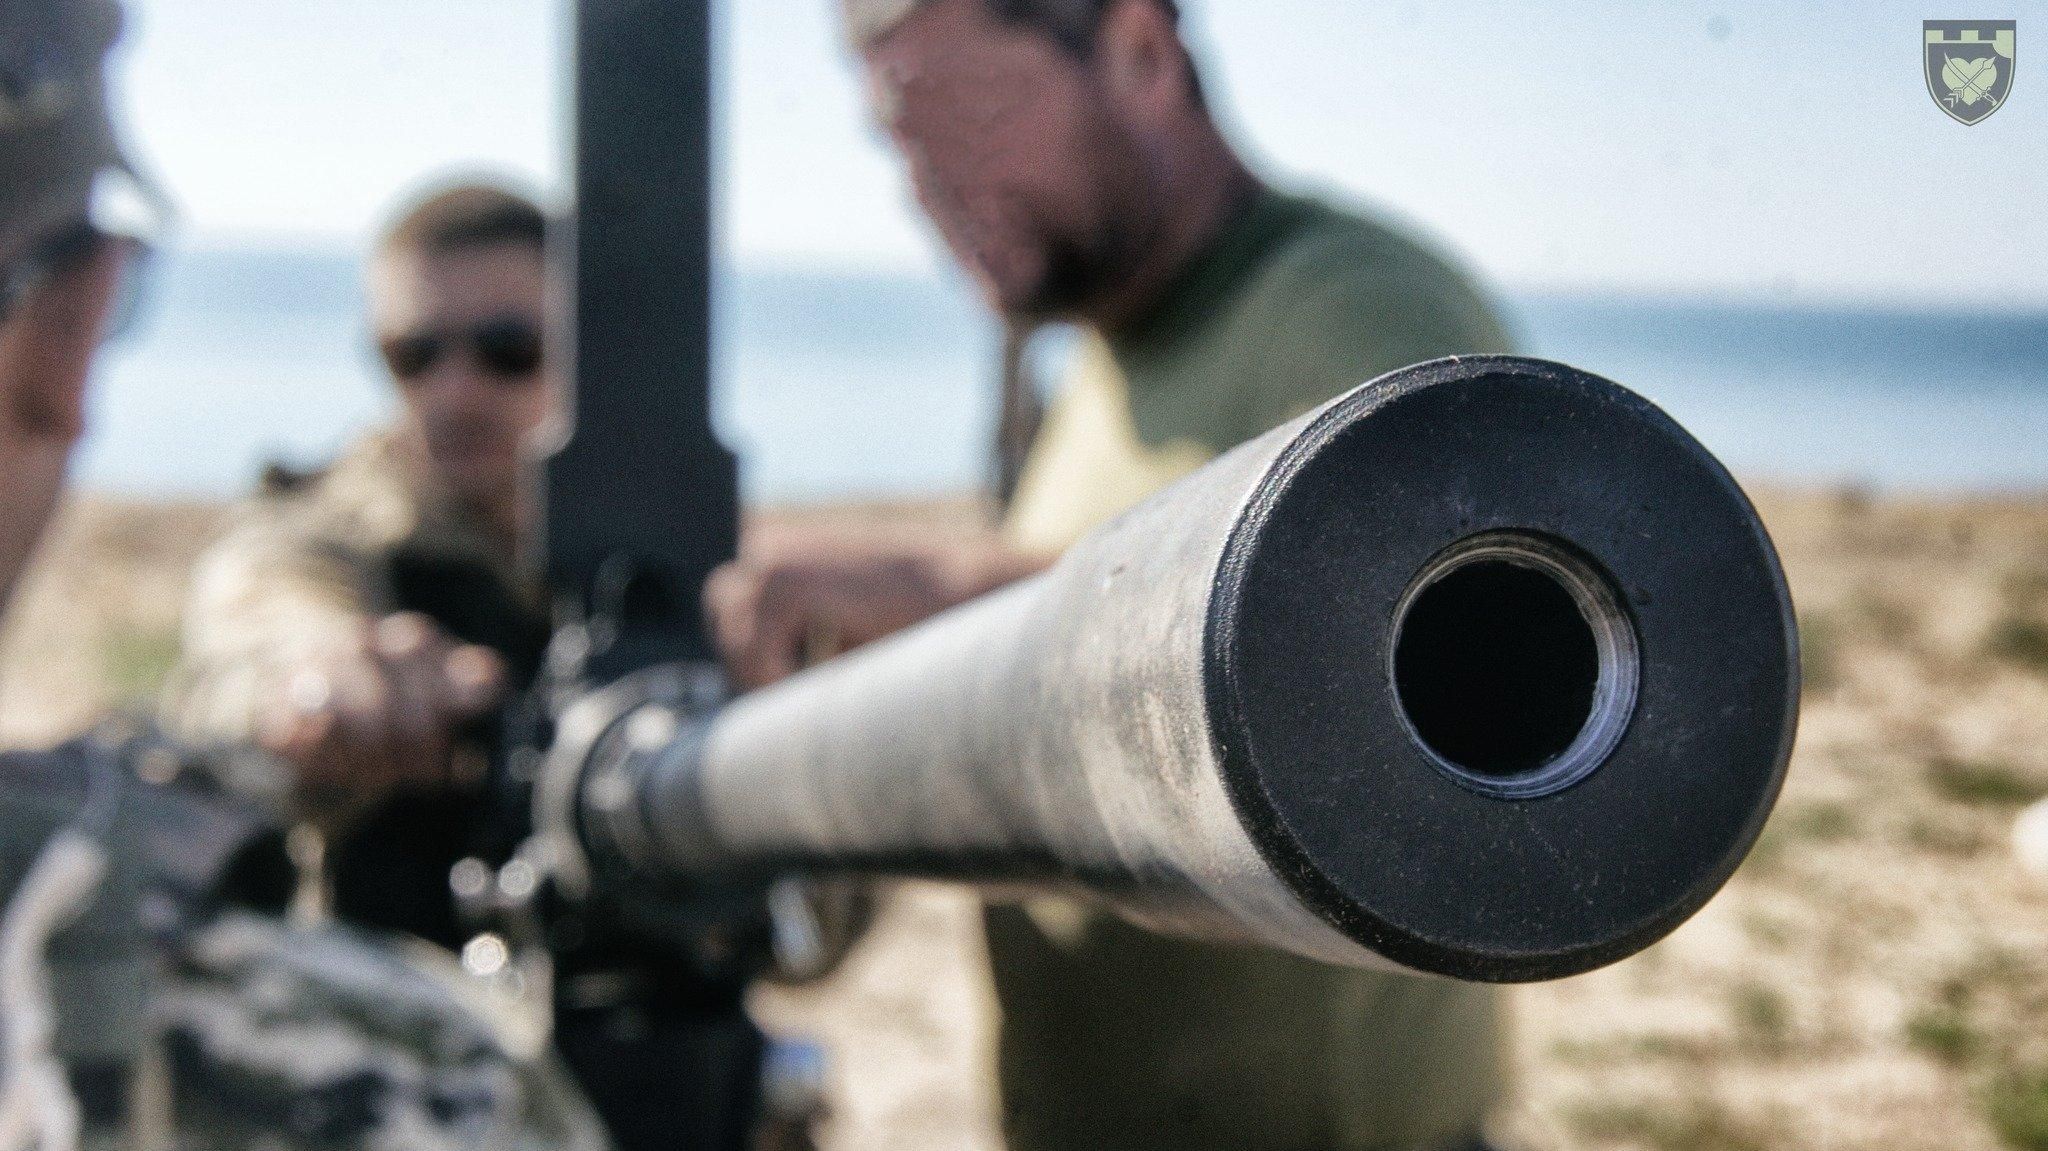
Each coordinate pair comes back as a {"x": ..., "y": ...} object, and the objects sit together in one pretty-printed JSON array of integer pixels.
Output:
[
  {"x": 1875, "y": 977},
  {"x": 97, "y": 625}
]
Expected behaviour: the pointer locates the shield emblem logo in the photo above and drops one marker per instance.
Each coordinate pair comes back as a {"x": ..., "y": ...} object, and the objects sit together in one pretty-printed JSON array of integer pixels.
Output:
[{"x": 1969, "y": 66}]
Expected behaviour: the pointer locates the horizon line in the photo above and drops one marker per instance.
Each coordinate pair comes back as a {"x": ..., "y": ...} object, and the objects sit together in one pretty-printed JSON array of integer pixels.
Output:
[{"x": 1775, "y": 295}]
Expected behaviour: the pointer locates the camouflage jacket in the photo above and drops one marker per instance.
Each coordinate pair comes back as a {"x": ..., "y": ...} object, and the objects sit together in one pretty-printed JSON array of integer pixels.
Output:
[
  {"x": 189, "y": 1026},
  {"x": 330, "y": 1037},
  {"x": 308, "y": 564},
  {"x": 308, "y": 561}
]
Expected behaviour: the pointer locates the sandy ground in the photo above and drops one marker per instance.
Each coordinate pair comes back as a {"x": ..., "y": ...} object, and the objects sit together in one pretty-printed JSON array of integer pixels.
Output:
[{"x": 1875, "y": 977}]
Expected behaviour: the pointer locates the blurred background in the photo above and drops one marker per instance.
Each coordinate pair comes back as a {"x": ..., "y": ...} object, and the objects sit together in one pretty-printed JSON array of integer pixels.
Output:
[
  {"x": 1752, "y": 213},
  {"x": 1746, "y": 212}
]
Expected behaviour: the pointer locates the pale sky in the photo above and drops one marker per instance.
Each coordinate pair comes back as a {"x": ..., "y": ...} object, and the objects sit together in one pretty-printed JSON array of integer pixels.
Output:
[{"x": 1789, "y": 150}]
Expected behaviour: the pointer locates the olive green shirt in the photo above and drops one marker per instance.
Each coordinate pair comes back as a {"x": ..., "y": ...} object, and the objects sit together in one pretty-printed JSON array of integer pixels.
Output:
[{"x": 1114, "y": 1038}]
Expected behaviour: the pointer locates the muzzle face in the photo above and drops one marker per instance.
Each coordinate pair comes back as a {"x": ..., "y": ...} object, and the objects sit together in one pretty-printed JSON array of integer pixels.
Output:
[
  {"x": 1485, "y": 669},
  {"x": 1542, "y": 630}
]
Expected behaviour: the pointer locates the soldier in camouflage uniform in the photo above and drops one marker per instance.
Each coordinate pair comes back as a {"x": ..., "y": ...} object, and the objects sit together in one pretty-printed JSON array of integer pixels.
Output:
[
  {"x": 137, "y": 1008},
  {"x": 358, "y": 622}
]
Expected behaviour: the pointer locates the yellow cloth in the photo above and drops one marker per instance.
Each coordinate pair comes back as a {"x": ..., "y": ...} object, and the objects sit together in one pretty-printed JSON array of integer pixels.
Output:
[{"x": 1088, "y": 463}]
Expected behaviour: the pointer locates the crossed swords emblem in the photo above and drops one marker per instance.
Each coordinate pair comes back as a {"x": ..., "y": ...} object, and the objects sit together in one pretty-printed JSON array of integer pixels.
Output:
[{"x": 1969, "y": 80}]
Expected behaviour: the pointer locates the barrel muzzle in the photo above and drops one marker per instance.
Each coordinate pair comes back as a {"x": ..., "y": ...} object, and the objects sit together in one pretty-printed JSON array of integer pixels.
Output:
[{"x": 1485, "y": 669}]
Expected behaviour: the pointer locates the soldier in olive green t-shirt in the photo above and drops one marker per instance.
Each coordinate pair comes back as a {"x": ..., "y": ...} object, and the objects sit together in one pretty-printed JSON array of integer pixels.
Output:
[
  {"x": 1065, "y": 152},
  {"x": 1291, "y": 304},
  {"x": 1172, "y": 1044}
]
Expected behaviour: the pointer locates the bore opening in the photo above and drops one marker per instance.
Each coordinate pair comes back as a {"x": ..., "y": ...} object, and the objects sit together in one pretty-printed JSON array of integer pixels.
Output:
[{"x": 1513, "y": 664}]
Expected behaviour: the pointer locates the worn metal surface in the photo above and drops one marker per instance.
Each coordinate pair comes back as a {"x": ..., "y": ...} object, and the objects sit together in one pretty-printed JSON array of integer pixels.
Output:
[
  {"x": 1195, "y": 715},
  {"x": 640, "y": 505},
  {"x": 641, "y": 498}
]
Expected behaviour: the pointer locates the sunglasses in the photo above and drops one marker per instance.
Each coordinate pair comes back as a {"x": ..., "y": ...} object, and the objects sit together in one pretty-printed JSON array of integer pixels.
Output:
[
  {"x": 508, "y": 349},
  {"x": 65, "y": 251}
]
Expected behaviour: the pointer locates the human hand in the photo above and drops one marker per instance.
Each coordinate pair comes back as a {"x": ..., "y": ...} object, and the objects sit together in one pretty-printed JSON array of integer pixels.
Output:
[
  {"x": 787, "y": 606},
  {"x": 380, "y": 714}
]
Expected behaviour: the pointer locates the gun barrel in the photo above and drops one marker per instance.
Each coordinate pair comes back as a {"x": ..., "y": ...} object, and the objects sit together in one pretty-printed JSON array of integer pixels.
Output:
[{"x": 1485, "y": 669}]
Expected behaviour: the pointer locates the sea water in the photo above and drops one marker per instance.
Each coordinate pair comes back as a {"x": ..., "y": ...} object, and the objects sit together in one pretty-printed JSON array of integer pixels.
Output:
[{"x": 842, "y": 385}]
